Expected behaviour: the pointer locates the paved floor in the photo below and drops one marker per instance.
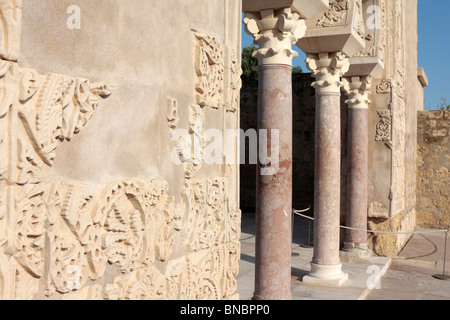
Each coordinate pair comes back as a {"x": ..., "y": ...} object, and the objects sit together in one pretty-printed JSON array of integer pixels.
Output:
[{"x": 407, "y": 277}]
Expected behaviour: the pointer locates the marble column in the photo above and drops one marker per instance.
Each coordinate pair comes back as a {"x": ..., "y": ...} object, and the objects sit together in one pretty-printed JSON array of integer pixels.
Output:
[
  {"x": 357, "y": 89},
  {"x": 275, "y": 32},
  {"x": 326, "y": 267}
]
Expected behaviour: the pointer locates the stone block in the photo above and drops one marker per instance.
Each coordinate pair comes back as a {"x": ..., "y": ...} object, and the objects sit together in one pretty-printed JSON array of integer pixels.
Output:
[
  {"x": 435, "y": 114},
  {"x": 306, "y": 8},
  {"x": 337, "y": 29},
  {"x": 439, "y": 133}
]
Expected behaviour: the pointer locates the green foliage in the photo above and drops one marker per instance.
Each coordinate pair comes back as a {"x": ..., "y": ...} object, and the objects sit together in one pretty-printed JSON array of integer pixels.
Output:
[
  {"x": 249, "y": 63},
  {"x": 297, "y": 70},
  {"x": 444, "y": 105}
]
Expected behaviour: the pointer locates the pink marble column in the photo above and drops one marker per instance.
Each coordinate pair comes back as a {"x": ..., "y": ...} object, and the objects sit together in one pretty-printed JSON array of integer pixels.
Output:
[
  {"x": 358, "y": 89},
  {"x": 326, "y": 267},
  {"x": 357, "y": 177},
  {"x": 275, "y": 31},
  {"x": 327, "y": 184},
  {"x": 274, "y": 191}
]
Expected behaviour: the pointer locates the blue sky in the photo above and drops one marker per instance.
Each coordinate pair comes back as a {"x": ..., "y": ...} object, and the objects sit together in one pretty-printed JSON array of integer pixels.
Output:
[{"x": 433, "y": 49}]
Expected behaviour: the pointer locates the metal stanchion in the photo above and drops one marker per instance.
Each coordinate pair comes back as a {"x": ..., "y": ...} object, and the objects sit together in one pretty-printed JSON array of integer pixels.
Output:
[
  {"x": 308, "y": 245},
  {"x": 443, "y": 276},
  {"x": 293, "y": 254}
]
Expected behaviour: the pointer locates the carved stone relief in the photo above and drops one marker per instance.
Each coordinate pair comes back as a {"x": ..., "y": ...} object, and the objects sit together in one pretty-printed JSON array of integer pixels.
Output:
[
  {"x": 336, "y": 13},
  {"x": 235, "y": 82},
  {"x": 128, "y": 225},
  {"x": 384, "y": 127},
  {"x": 38, "y": 113},
  {"x": 209, "y": 69},
  {"x": 212, "y": 69},
  {"x": 384, "y": 86},
  {"x": 60, "y": 238}
]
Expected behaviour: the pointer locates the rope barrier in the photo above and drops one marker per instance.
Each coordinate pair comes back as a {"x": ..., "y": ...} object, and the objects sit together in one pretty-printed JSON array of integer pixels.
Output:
[
  {"x": 440, "y": 277},
  {"x": 297, "y": 212}
]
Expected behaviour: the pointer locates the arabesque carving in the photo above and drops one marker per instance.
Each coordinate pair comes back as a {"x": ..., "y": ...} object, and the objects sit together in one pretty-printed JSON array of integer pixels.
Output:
[
  {"x": 336, "y": 13},
  {"x": 210, "y": 70},
  {"x": 126, "y": 225},
  {"x": 384, "y": 127},
  {"x": 39, "y": 112},
  {"x": 59, "y": 239}
]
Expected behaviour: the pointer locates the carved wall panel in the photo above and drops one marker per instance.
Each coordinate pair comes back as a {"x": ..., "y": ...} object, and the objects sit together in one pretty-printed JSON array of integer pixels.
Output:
[
  {"x": 119, "y": 240},
  {"x": 210, "y": 70},
  {"x": 217, "y": 69},
  {"x": 129, "y": 226}
]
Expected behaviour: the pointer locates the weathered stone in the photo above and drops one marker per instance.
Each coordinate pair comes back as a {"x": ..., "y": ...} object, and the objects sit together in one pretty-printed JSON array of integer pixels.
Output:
[
  {"x": 94, "y": 104},
  {"x": 434, "y": 191}
]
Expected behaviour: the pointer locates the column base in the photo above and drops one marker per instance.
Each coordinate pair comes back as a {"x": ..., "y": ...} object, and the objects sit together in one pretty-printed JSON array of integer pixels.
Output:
[
  {"x": 326, "y": 275},
  {"x": 353, "y": 250}
]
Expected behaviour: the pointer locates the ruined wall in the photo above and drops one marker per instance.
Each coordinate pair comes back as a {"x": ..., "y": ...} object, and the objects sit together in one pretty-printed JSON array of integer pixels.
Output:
[
  {"x": 99, "y": 196},
  {"x": 395, "y": 99},
  {"x": 433, "y": 166}
]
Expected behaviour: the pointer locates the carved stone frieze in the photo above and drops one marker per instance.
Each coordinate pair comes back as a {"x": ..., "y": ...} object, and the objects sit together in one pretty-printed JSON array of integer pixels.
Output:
[{"x": 127, "y": 225}]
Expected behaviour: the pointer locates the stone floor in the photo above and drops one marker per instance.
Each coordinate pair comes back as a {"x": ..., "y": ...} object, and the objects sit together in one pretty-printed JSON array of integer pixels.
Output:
[{"x": 406, "y": 277}]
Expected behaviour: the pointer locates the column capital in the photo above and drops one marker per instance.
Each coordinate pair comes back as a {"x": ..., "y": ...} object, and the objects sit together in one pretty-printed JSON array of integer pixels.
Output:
[
  {"x": 275, "y": 32},
  {"x": 327, "y": 68},
  {"x": 358, "y": 89}
]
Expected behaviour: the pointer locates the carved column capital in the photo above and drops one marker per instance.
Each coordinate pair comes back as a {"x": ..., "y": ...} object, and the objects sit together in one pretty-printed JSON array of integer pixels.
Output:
[
  {"x": 358, "y": 90},
  {"x": 275, "y": 32},
  {"x": 327, "y": 68}
]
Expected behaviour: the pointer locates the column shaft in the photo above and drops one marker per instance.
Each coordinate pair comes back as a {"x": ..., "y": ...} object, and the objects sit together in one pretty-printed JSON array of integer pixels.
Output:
[
  {"x": 274, "y": 192},
  {"x": 358, "y": 90},
  {"x": 327, "y": 179},
  {"x": 357, "y": 176},
  {"x": 275, "y": 32},
  {"x": 326, "y": 266}
]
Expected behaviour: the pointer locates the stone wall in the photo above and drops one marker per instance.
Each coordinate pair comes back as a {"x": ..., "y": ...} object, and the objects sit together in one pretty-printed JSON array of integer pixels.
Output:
[
  {"x": 433, "y": 169},
  {"x": 99, "y": 196},
  {"x": 396, "y": 96}
]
